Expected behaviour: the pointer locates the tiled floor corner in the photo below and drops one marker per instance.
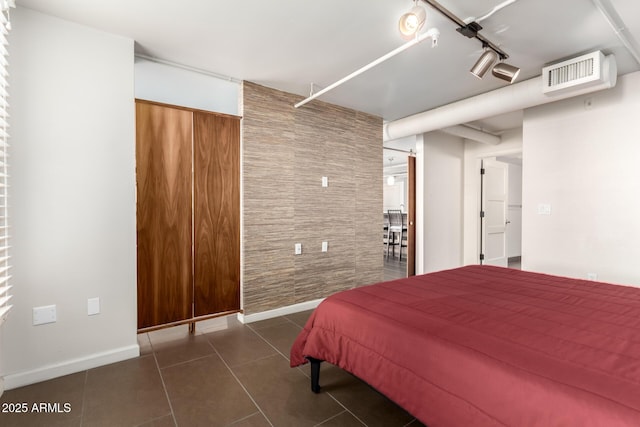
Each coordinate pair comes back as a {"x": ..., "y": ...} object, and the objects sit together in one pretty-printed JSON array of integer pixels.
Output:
[{"x": 227, "y": 374}]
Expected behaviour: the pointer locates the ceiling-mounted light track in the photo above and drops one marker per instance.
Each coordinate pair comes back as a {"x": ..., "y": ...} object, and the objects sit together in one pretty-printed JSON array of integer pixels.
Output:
[
  {"x": 492, "y": 11},
  {"x": 459, "y": 22},
  {"x": 492, "y": 53},
  {"x": 431, "y": 33},
  {"x": 410, "y": 25}
]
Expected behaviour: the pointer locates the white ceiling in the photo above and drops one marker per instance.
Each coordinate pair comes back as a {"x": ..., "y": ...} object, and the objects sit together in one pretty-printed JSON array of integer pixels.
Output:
[{"x": 289, "y": 44}]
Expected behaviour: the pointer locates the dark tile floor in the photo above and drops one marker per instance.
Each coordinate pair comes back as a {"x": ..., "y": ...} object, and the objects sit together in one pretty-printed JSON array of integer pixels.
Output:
[{"x": 227, "y": 374}]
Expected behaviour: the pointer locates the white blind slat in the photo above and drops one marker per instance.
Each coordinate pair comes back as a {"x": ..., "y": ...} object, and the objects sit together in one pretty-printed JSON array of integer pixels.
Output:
[
  {"x": 4, "y": 311},
  {"x": 4, "y": 300},
  {"x": 5, "y": 286}
]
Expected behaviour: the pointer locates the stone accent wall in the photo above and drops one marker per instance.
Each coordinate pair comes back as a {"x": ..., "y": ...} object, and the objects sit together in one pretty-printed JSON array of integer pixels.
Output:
[{"x": 286, "y": 152}]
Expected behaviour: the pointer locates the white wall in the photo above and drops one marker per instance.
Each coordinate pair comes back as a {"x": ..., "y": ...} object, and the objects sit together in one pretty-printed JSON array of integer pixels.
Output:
[
  {"x": 440, "y": 157},
  {"x": 583, "y": 161},
  {"x": 172, "y": 85},
  {"x": 474, "y": 153},
  {"x": 395, "y": 196},
  {"x": 72, "y": 198}
]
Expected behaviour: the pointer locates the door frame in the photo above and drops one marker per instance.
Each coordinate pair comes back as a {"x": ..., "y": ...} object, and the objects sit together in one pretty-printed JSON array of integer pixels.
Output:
[{"x": 411, "y": 215}]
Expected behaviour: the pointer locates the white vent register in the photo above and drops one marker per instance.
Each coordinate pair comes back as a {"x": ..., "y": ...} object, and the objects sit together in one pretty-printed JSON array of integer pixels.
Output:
[{"x": 586, "y": 70}]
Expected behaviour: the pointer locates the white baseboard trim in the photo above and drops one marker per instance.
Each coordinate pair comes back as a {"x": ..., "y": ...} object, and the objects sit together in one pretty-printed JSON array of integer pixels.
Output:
[
  {"x": 70, "y": 367},
  {"x": 282, "y": 311}
]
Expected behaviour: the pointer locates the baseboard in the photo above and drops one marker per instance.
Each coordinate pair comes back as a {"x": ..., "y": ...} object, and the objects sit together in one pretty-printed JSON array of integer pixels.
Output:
[
  {"x": 282, "y": 311},
  {"x": 70, "y": 367}
]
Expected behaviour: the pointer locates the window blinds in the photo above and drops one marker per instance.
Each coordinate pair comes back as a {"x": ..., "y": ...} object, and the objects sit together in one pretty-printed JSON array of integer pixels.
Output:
[{"x": 5, "y": 286}]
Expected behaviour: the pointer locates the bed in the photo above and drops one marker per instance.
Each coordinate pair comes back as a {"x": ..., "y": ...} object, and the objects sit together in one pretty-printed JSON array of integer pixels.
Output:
[{"x": 487, "y": 346}]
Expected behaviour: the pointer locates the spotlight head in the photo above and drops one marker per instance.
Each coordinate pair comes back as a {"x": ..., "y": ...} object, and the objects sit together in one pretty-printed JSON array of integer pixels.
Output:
[
  {"x": 412, "y": 22},
  {"x": 506, "y": 72},
  {"x": 482, "y": 65}
]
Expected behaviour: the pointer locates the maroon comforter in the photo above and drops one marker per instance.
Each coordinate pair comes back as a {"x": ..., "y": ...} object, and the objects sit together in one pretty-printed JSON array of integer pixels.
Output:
[{"x": 488, "y": 346}]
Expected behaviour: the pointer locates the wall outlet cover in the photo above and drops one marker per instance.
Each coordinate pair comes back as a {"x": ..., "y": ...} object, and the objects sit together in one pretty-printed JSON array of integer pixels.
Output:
[
  {"x": 544, "y": 209},
  {"x": 44, "y": 314},
  {"x": 93, "y": 306}
]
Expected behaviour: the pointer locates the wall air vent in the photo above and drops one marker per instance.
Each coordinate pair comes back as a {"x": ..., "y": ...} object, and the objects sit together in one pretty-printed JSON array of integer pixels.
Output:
[{"x": 586, "y": 70}]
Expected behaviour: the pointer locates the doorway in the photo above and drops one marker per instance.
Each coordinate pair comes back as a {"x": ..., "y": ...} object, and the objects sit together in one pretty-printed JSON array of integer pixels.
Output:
[
  {"x": 399, "y": 196},
  {"x": 501, "y": 211}
]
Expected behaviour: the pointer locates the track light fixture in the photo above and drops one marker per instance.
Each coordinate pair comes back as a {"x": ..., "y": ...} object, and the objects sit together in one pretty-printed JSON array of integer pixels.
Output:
[
  {"x": 484, "y": 63},
  {"x": 503, "y": 71},
  {"x": 412, "y": 22},
  {"x": 410, "y": 26},
  {"x": 506, "y": 72},
  {"x": 471, "y": 28}
]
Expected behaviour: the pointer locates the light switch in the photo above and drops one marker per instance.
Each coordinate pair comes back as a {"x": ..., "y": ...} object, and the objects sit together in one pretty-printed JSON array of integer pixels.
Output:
[
  {"x": 298, "y": 248},
  {"x": 325, "y": 181},
  {"x": 325, "y": 246}
]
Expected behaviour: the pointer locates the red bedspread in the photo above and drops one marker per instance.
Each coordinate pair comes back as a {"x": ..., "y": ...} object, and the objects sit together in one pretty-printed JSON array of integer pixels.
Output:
[{"x": 488, "y": 346}]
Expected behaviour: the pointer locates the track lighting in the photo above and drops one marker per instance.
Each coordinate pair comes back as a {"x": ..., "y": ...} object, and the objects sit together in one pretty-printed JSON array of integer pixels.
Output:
[
  {"x": 484, "y": 63},
  {"x": 412, "y": 22},
  {"x": 506, "y": 72}
]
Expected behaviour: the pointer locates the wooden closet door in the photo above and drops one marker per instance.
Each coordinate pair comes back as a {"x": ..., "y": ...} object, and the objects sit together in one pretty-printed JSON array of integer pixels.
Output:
[
  {"x": 164, "y": 190},
  {"x": 216, "y": 213}
]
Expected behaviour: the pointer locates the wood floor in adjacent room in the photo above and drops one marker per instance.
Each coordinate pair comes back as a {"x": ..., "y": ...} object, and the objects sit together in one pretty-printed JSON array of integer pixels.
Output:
[
  {"x": 228, "y": 374},
  {"x": 395, "y": 268}
]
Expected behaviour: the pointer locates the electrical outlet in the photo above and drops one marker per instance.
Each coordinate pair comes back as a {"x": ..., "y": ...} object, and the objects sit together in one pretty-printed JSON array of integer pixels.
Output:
[
  {"x": 544, "y": 209},
  {"x": 44, "y": 314},
  {"x": 93, "y": 306},
  {"x": 592, "y": 276}
]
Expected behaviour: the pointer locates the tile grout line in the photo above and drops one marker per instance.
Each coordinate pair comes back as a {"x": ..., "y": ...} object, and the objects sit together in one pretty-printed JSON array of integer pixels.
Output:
[
  {"x": 240, "y": 383},
  {"x": 345, "y": 408},
  {"x": 337, "y": 415},
  {"x": 185, "y": 361},
  {"x": 303, "y": 372},
  {"x": 255, "y": 331},
  {"x": 84, "y": 396},
  {"x": 243, "y": 418},
  {"x": 164, "y": 387}
]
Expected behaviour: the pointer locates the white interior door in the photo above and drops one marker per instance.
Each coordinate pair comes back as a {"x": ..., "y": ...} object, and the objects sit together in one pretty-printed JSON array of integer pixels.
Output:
[{"x": 495, "y": 190}]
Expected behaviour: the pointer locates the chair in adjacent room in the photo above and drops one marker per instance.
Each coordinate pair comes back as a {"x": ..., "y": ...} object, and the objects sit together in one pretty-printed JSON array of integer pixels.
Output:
[{"x": 394, "y": 231}]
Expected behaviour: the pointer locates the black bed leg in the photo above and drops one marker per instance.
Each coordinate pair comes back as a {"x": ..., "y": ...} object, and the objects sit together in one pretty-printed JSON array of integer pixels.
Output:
[{"x": 315, "y": 374}]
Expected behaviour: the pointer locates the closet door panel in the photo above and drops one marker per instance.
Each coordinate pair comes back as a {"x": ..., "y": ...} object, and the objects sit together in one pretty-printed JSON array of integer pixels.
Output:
[
  {"x": 216, "y": 213},
  {"x": 164, "y": 191}
]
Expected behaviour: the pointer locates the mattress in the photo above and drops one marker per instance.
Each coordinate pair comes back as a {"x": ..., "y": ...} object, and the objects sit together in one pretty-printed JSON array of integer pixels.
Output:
[{"x": 488, "y": 346}]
